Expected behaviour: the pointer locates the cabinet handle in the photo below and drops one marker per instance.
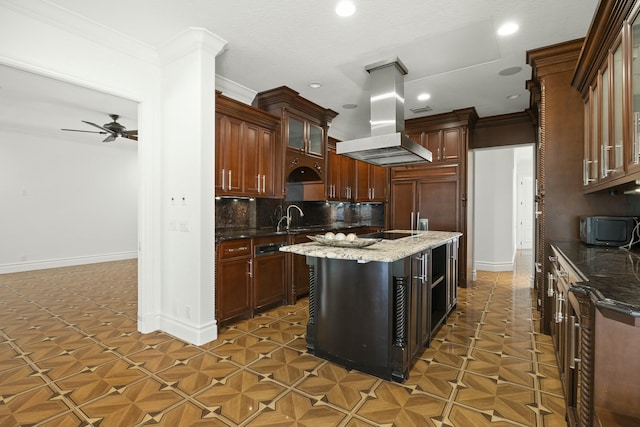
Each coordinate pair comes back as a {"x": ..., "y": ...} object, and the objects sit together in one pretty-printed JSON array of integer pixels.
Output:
[
  {"x": 241, "y": 248},
  {"x": 230, "y": 179},
  {"x": 573, "y": 331},
  {"x": 636, "y": 138},
  {"x": 259, "y": 183},
  {"x": 373, "y": 193},
  {"x": 559, "y": 303},
  {"x": 250, "y": 262},
  {"x": 264, "y": 183},
  {"x": 538, "y": 267},
  {"x": 223, "y": 174},
  {"x": 550, "y": 279}
]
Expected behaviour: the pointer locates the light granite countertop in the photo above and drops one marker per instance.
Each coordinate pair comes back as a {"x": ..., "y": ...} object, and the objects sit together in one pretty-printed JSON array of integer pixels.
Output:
[{"x": 382, "y": 251}]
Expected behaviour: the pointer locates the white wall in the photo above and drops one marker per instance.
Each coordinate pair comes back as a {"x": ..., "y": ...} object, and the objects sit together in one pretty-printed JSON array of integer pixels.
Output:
[
  {"x": 494, "y": 239},
  {"x": 37, "y": 37},
  {"x": 66, "y": 203}
]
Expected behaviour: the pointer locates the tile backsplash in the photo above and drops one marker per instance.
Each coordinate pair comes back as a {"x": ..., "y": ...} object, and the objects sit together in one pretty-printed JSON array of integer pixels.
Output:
[{"x": 236, "y": 214}]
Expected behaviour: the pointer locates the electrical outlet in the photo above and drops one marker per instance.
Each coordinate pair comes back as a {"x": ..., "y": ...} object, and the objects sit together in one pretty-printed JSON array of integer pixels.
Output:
[{"x": 184, "y": 226}]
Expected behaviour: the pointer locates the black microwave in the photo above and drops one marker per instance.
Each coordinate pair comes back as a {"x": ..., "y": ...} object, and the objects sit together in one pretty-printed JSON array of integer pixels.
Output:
[{"x": 607, "y": 230}]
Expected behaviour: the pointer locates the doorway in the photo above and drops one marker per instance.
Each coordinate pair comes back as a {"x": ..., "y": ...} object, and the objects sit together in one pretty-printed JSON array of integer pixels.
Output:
[{"x": 503, "y": 207}]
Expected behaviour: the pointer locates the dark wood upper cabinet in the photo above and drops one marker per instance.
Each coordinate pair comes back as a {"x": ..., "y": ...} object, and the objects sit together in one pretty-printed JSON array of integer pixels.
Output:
[
  {"x": 304, "y": 127},
  {"x": 604, "y": 76},
  {"x": 248, "y": 151}
]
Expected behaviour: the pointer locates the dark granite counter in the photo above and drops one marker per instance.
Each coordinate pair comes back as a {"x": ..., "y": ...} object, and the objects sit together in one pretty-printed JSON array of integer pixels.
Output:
[
  {"x": 611, "y": 275},
  {"x": 248, "y": 233}
]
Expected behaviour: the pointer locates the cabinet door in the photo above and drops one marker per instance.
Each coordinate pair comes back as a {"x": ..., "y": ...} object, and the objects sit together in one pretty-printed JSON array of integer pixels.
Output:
[
  {"x": 402, "y": 204},
  {"x": 361, "y": 182},
  {"x": 300, "y": 273},
  {"x": 269, "y": 279},
  {"x": 252, "y": 174},
  {"x": 378, "y": 183},
  {"x": 219, "y": 154},
  {"x": 258, "y": 153},
  {"x": 266, "y": 163},
  {"x": 316, "y": 140},
  {"x": 233, "y": 289},
  {"x": 296, "y": 134},
  {"x": 633, "y": 147},
  {"x": 347, "y": 171},
  {"x": 451, "y": 145},
  {"x": 432, "y": 142},
  {"x": 229, "y": 135},
  {"x": 333, "y": 176},
  {"x": 439, "y": 201}
]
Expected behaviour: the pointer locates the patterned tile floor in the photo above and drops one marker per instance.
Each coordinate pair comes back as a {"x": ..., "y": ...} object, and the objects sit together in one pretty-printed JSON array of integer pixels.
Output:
[{"x": 70, "y": 355}]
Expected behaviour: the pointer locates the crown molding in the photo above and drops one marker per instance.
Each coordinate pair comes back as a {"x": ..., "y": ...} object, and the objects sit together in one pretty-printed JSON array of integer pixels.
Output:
[
  {"x": 81, "y": 26},
  {"x": 234, "y": 90},
  {"x": 191, "y": 40}
]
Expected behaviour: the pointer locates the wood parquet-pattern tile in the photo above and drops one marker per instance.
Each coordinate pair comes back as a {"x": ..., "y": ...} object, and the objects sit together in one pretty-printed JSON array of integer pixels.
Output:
[{"x": 70, "y": 355}]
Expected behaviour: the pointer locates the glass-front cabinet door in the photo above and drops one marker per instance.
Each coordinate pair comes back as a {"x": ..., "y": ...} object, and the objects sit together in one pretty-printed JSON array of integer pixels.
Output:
[
  {"x": 633, "y": 158},
  {"x": 617, "y": 105},
  {"x": 315, "y": 140},
  {"x": 590, "y": 165},
  {"x": 296, "y": 134}
]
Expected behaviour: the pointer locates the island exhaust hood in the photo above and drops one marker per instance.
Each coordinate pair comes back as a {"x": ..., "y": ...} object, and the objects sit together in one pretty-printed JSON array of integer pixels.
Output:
[{"x": 387, "y": 145}]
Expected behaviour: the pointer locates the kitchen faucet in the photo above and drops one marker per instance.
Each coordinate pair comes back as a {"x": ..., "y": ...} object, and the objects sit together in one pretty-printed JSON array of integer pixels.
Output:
[{"x": 288, "y": 216}]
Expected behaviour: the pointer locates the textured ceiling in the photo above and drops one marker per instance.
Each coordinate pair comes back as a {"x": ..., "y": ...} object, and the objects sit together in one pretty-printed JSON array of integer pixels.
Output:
[{"x": 449, "y": 47}]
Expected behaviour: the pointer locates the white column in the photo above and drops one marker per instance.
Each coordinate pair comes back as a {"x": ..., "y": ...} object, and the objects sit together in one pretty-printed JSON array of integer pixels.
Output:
[{"x": 188, "y": 104}]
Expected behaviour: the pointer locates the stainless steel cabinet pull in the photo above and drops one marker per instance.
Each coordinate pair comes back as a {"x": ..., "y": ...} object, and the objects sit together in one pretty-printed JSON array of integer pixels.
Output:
[
  {"x": 230, "y": 180},
  {"x": 250, "y": 268},
  {"x": 573, "y": 329},
  {"x": 264, "y": 183},
  {"x": 259, "y": 183},
  {"x": 550, "y": 279},
  {"x": 223, "y": 180}
]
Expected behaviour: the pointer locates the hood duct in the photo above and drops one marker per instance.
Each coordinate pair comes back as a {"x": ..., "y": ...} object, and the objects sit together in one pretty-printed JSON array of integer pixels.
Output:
[{"x": 387, "y": 145}]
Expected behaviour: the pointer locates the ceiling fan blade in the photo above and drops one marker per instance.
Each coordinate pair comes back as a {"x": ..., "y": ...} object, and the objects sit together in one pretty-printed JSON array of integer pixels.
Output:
[
  {"x": 99, "y": 127},
  {"x": 87, "y": 131},
  {"x": 110, "y": 138}
]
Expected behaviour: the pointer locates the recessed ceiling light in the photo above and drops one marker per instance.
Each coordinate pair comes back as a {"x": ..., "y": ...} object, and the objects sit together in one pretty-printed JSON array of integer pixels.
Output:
[
  {"x": 350, "y": 106},
  {"x": 345, "y": 8},
  {"x": 315, "y": 85},
  {"x": 510, "y": 71},
  {"x": 508, "y": 28},
  {"x": 424, "y": 96}
]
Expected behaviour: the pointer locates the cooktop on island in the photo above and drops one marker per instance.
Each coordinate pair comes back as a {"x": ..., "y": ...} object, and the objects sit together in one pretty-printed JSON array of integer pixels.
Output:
[{"x": 387, "y": 235}]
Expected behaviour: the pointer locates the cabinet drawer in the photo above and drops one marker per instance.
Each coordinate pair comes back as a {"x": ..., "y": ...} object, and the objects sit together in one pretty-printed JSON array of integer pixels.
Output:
[{"x": 235, "y": 248}]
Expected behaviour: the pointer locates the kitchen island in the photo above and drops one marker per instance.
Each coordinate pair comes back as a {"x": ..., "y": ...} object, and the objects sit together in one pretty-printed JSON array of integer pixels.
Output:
[{"x": 374, "y": 308}]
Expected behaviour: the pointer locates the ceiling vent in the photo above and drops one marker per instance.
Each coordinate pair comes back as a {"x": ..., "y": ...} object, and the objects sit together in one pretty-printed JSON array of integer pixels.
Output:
[{"x": 418, "y": 110}]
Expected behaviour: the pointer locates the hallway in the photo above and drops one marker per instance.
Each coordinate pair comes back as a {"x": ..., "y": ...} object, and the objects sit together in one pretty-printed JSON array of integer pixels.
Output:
[{"x": 70, "y": 355}]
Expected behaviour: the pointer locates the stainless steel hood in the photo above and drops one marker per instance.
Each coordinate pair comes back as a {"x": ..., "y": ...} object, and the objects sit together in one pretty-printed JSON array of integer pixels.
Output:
[{"x": 387, "y": 145}]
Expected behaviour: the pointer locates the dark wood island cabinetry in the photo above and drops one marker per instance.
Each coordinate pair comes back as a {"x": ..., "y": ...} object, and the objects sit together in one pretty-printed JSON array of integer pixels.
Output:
[{"x": 373, "y": 309}]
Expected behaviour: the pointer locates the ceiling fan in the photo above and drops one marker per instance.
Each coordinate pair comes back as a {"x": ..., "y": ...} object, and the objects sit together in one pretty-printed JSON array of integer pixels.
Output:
[{"x": 112, "y": 129}]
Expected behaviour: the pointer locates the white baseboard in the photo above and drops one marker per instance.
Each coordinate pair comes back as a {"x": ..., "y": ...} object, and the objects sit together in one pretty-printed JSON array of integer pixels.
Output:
[
  {"x": 193, "y": 334},
  {"x": 65, "y": 262},
  {"x": 493, "y": 266}
]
